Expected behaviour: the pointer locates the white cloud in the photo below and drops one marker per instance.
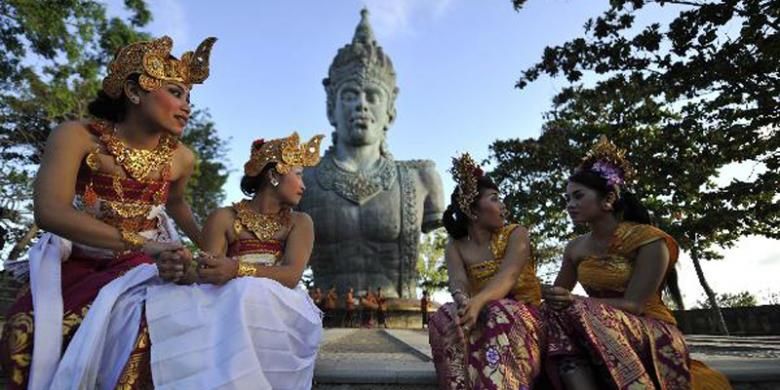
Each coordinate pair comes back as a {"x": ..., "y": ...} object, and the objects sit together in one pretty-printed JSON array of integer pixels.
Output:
[
  {"x": 751, "y": 265},
  {"x": 393, "y": 17}
]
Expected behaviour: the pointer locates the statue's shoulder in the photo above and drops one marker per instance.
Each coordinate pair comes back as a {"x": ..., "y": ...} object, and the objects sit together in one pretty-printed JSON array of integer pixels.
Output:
[
  {"x": 421, "y": 165},
  {"x": 425, "y": 170}
]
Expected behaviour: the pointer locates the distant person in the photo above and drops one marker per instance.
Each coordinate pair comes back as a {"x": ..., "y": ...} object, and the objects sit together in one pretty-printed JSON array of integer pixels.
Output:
[
  {"x": 367, "y": 307},
  {"x": 424, "y": 308},
  {"x": 329, "y": 305},
  {"x": 349, "y": 308},
  {"x": 381, "y": 308}
]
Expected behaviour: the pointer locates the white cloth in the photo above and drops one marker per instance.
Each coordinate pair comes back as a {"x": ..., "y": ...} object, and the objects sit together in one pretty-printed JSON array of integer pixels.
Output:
[
  {"x": 101, "y": 346},
  {"x": 45, "y": 258},
  {"x": 251, "y": 333},
  {"x": 45, "y": 274}
]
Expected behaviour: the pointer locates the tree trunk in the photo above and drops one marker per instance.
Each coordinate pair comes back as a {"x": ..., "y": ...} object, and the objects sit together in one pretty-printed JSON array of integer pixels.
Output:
[
  {"x": 717, "y": 314},
  {"x": 23, "y": 243}
]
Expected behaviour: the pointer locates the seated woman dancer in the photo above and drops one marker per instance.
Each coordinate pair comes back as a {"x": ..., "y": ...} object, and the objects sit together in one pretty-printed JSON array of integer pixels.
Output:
[
  {"x": 248, "y": 323},
  {"x": 103, "y": 194},
  {"x": 622, "y": 335},
  {"x": 491, "y": 336}
]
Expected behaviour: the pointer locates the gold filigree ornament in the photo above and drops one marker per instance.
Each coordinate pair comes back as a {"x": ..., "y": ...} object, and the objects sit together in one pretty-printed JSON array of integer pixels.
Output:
[
  {"x": 139, "y": 163},
  {"x": 127, "y": 209},
  {"x": 263, "y": 226},
  {"x": 153, "y": 62},
  {"x": 285, "y": 152},
  {"x": 466, "y": 173},
  {"x": 132, "y": 240},
  {"x": 245, "y": 269}
]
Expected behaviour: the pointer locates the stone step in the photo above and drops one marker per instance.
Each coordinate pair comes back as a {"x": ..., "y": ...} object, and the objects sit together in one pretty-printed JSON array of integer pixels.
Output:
[{"x": 406, "y": 361}]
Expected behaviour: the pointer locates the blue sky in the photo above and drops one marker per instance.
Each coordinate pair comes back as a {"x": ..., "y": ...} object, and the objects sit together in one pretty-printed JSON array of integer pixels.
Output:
[{"x": 456, "y": 63}]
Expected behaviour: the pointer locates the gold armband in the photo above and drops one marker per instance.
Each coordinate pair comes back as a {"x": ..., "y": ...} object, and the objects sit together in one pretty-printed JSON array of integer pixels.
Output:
[
  {"x": 132, "y": 240},
  {"x": 245, "y": 269}
]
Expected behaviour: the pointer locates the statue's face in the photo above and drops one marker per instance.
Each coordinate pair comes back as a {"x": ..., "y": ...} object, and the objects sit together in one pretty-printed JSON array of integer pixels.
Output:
[{"x": 361, "y": 112}]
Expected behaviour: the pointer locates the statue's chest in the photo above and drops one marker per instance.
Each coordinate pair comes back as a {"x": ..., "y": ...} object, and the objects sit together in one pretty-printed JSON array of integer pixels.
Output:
[{"x": 337, "y": 219}]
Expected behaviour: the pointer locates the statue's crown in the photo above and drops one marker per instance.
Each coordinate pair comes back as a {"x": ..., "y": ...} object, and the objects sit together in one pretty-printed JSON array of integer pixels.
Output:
[
  {"x": 362, "y": 59},
  {"x": 153, "y": 61}
]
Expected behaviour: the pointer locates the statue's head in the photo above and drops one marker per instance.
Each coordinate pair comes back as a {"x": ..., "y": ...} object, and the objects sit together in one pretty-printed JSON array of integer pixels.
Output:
[{"x": 361, "y": 90}]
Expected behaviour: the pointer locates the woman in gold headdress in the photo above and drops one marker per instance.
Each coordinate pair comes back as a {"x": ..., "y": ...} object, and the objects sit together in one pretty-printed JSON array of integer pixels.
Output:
[
  {"x": 103, "y": 194},
  {"x": 622, "y": 335},
  {"x": 491, "y": 336},
  {"x": 248, "y": 322}
]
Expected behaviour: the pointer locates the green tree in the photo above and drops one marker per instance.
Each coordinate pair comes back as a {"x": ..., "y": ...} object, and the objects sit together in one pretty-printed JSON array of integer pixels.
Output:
[
  {"x": 204, "y": 189},
  {"x": 741, "y": 299},
  {"x": 431, "y": 268},
  {"x": 53, "y": 53},
  {"x": 54, "y": 56},
  {"x": 688, "y": 99}
]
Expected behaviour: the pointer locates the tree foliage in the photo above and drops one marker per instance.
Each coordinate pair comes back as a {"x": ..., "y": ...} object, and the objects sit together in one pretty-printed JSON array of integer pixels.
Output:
[
  {"x": 54, "y": 56},
  {"x": 741, "y": 299},
  {"x": 688, "y": 99},
  {"x": 691, "y": 99},
  {"x": 205, "y": 188},
  {"x": 431, "y": 268}
]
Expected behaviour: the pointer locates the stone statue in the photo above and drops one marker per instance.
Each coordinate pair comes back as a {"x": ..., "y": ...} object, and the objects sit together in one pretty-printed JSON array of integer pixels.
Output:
[{"x": 368, "y": 209}]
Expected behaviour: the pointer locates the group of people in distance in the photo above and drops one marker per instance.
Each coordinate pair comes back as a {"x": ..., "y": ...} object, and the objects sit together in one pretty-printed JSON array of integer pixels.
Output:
[
  {"x": 115, "y": 300},
  {"x": 371, "y": 307}
]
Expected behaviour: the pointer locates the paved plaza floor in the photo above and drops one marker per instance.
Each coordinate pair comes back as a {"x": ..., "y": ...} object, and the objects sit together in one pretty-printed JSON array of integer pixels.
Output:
[{"x": 401, "y": 359}]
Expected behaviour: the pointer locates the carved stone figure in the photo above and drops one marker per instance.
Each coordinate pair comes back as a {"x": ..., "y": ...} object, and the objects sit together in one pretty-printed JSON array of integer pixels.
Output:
[{"x": 368, "y": 209}]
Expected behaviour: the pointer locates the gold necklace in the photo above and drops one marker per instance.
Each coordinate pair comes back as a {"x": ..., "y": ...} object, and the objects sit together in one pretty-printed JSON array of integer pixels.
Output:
[
  {"x": 139, "y": 163},
  {"x": 263, "y": 226}
]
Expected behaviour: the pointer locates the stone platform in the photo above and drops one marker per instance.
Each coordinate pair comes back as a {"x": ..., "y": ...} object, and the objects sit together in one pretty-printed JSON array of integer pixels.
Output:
[{"x": 385, "y": 359}]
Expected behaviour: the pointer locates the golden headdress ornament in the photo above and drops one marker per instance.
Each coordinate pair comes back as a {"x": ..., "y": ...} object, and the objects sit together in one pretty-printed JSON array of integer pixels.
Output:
[
  {"x": 153, "y": 61},
  {"x": 609, "y": 162},
  {"x": 466, "y": 173},
  {"x": 285, "y": 152}
]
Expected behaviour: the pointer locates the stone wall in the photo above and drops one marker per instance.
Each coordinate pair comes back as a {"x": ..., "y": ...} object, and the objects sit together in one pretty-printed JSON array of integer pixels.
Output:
[{"x": 741, "y": 321}]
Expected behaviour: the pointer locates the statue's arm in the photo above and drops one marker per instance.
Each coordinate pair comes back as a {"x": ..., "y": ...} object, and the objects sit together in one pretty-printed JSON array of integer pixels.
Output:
[{"x": 434, "y": 199}]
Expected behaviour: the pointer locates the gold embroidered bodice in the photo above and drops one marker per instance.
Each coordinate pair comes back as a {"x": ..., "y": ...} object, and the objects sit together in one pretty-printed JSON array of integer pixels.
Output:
[
  {"x": 608, "y": 276},
  {"x": 262, "y": 248},
  {"x": 527, "y": 289},
  {"x": 132, "y": 203}
]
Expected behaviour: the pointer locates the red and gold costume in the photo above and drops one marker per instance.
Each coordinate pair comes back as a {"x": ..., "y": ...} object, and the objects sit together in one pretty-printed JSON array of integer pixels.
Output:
[
  {"x": 133, "y": 204},
  {"x": 255, "y": 251},
  {"x": 128, "y": 194},
  {"x": 252, "y": 331}
]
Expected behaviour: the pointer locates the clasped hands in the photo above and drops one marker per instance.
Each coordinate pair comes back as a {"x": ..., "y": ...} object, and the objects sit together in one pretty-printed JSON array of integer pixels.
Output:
[
  {"x": 176, "y": 263},
  {"x": 557, "y": 298}
]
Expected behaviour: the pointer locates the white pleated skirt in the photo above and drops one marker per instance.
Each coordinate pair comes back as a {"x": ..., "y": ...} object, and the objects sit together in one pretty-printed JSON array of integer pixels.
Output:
[{"x": 251, "y": 333}]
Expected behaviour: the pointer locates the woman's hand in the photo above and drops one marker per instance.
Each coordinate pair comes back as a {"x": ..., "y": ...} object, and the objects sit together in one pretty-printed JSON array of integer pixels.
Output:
[
  {"x": 557, "y": 298},
  {"x": 467, "y": 316},
  {"x": 461, "y": 299},
  {"x": 217, "y": 270},
  {"x": 169, "y": 257}
]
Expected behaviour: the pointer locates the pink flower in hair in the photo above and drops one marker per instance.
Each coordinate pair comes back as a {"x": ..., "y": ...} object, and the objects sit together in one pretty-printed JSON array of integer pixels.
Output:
[{"x": 609, "y": 172}]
